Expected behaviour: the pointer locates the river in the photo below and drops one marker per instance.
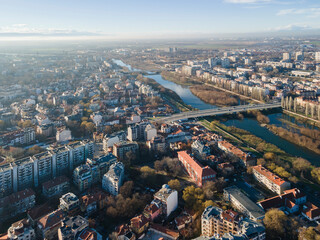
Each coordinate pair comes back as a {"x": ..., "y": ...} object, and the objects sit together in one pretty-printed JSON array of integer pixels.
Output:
[{"x": 248, "y": 124}]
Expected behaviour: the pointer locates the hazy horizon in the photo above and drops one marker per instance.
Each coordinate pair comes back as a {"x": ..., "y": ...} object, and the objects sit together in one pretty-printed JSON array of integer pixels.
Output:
[{"x": 116, "y": 20}]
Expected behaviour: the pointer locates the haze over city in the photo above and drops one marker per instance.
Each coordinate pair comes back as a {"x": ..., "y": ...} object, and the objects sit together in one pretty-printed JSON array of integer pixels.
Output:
[
  {"x": 99, "y": 19},
  {"x": 160, "y": 120}
]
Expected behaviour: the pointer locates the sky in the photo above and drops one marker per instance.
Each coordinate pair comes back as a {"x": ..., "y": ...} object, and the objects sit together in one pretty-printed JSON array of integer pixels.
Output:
[{"x": 23, "y": 19}]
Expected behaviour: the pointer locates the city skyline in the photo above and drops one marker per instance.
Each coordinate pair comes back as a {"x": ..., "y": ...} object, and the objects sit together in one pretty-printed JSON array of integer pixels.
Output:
[{"x": 145, "y": 19}]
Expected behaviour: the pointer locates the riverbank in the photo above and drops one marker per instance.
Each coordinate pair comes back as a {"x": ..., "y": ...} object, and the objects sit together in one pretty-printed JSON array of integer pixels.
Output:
[
  {"x": 168, "y": 94},
  {"x": 179, "y": 78},
  {"x": 300, "y": 138},
  {"x": 213, "y": 96}
]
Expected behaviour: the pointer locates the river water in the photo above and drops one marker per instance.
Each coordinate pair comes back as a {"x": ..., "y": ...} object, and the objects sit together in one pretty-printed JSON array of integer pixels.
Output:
[{"x": 248, "y": 124}]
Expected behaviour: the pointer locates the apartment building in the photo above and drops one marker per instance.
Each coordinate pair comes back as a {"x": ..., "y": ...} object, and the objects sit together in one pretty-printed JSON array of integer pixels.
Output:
[
  {"x": 122, "y": 148},
  {"x": 247, "y": 159},
  {"x": 42, "y": 167},
  {"x": 17, "y": 203},
  {"x": 199, "y": 174},
  {"x": 61, "y": 159},
  {"x": 18, "y": 137},
  {"x": 137, "y": 131},
  {"x": 242, "y": 203},
  {"x": 216, "y": 222},
  {"x": 110, "y": 140},
  {"x": 33, "y": 171},
  {"x": 69, "y": 203},
  {"x": 6, "y": 180},
  {"x": 71, "y": 227},
  {"x": 157, "y": 144},
  {"x": 21, "y": 230},
  {"x": 82, "y": 177},
  {"x": 270, "y": 180},
  {"x": 56, "y": 186},
  {"x": 92, "y": 172},
  {"x": 200, "y": 150},
  {"x": 168, "y": 199},
  {"x": 113, "y": 179}
]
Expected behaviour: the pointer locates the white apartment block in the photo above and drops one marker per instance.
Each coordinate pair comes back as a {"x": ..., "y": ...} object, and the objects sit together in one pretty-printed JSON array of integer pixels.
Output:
[
  {"x": 113, "y": 179},
  {"x": 32, "y": 171},
  {"x": 270, "y": 180}
]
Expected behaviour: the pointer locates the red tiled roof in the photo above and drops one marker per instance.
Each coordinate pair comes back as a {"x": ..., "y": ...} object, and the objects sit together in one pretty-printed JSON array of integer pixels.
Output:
[
  {"x": 87, "y": 234},
  {"x": 312, "y": 211},
  {"x": 196, "y": 166},
  {"x": 52, "y": 219},
  {"x": 287, "y": 199},
  {"x": 165, "y": 230},
  {"x": 139, "y": 221},
  {"x": 230, "y": 215},
  {"x": 39, "y": 211},
  {"x": 271, "y": 176},
  {"x": 16, "y": 197}
]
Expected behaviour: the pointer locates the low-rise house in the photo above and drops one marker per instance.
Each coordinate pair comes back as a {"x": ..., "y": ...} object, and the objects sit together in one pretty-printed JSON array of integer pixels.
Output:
[
  {"x": 56, "y": 186},
  {"x": 311, "y": 211},
  {"x": 270, "y": 180},
  {"x": 93, "y": 201},
  {"x": 35, "y": 213},
  {"x": 89, "y": 234},
  {"x": 152, "y": 211},
  {"x": 289, "y": 201},
  {"x": 139, "y": 224},
  {"x": 17, "y": 203},
  {"x": 48, "y": 225}
]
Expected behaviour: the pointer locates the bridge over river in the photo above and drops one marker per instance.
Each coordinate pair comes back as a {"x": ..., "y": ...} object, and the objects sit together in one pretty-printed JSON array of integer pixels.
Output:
[{"x": 217, "y": 111}]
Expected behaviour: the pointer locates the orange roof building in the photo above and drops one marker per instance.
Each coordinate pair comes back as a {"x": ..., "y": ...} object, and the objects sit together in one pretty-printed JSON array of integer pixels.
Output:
[
  {"x": 195, "y": 170},
  {"x": 270, "y": 180}
]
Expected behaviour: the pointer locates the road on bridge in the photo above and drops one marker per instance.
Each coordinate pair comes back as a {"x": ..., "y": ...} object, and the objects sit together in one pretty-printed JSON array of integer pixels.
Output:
[{"x": 217, "y": 111}]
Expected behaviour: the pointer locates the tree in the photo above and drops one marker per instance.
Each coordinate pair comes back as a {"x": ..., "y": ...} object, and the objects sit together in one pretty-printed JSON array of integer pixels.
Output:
[
  {"x": 295, "y": 105},
  {"x": 308, "y": 234},
  {"x": 175, "y": 184},
  {"x": 315, "y": 173},
  {"x": 193, "y": 198},
  {"x": 108, "y": 129},
  {"x": 261, "y": 161},
  {"x": 269, "y": 156},
  {"x": 278, "y": 225},
  {"x": 126, "y": 189},
  {"x": 34, "y": 150},
  {"x": 301, "y": 165}
]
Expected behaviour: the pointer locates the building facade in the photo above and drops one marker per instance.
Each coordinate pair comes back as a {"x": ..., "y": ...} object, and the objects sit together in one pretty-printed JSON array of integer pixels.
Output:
[
  {"x": 270, "y": 180},
  {"x": 113, "y": 179}
]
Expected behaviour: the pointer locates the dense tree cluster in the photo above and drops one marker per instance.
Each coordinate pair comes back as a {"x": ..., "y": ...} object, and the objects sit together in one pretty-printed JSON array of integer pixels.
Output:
[
  {"x": 279, "y": 225},
  {"x": 169, "y": 165},
  {"x": 213, "y": 96}
]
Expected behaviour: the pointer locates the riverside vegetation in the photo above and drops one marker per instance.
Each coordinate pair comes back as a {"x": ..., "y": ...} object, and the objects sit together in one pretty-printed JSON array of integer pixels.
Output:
[{"x": 213, "y": 96}]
